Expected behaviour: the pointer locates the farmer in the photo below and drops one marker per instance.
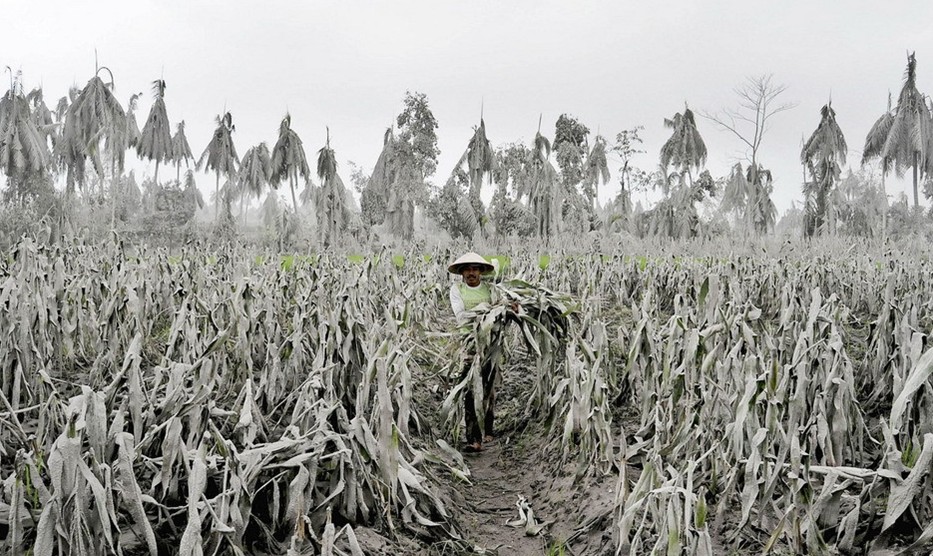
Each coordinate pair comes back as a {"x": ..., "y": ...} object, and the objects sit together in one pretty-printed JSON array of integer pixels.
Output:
[{"x": 464, "y": 296}]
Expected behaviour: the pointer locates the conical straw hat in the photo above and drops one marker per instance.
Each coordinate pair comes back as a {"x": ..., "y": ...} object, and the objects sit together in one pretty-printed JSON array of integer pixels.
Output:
[{"x": 470, "y": 259}]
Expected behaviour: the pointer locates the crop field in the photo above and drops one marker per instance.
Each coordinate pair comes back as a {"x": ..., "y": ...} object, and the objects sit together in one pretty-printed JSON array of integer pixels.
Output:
[{"x": 156, "y": 402}]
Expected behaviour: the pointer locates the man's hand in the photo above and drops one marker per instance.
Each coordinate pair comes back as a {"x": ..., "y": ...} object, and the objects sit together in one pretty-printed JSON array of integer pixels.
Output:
[{"x": 514, "y": 306}]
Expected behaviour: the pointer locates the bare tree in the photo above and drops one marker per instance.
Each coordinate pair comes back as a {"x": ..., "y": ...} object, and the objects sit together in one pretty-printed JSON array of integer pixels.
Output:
[
  {"x": 750, "y": 121},
  {"x": 757, "y": 105}
]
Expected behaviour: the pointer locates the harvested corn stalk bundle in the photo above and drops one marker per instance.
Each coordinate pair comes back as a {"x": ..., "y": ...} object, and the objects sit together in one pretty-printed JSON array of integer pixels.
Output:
[{"x": 544, "y": 323}]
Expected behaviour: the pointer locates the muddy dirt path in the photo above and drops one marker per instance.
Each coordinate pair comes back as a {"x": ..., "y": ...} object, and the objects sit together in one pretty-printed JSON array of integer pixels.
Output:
[{"x": 499, "y": 477}]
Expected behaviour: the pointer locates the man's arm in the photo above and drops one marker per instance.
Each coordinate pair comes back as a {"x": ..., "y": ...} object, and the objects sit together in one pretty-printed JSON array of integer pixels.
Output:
[{"x": 456, "y": 302}]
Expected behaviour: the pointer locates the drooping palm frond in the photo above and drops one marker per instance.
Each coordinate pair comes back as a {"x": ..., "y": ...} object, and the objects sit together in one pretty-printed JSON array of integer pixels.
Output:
[
  {"x": 255, "y": 170},
  {"x": 596, "y": 170},
  {"x": 41, "y": 114},
  {"x": 877, "y": 135},
  {"x": 288, "y": 158},
  {"x": 181, "y": 150},
  {"x": 132, "y": 128},
  {"x": 23, "y": 147},
  {"x": 61, "y": 108},
  {"x": 737, "y": 189}
]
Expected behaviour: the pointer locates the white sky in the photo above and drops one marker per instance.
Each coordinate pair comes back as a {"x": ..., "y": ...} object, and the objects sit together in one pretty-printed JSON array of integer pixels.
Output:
[{"x": 613, "y": 65}]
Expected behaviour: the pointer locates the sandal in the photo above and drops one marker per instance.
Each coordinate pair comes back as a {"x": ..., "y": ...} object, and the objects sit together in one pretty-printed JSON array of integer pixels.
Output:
[{"x": 473, "y": 448}]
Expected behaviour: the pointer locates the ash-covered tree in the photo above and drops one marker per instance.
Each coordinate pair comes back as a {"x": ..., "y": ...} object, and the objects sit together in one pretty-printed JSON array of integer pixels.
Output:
[
  {"x": 220, "y": 153},
  {"x": 676, "y": 216},
  {"x": 410, "y": 160},
  {"x": 24, "y": 152},
  {"x": 823, "y": 155},
  {"x": 904, "y": 138},
  {"x": 477, "y": 162},
  {"x": 91, "y": 120},
  {"x": 570, "y": 147},
  {"x": 758, "y": 103},
  {"x": 255, "y": 173},
  {"x": 596, "y": 172},
  {"x": 451, "y": 208},
  {"x": 181, "y": 150},
  {"x": 747, "y": 195},
  {"x": 331, "y": 197},
  {"x": 860, "y": 204},
  {"x": 544, "y": 189},
  {"x": 288, "y": 159},
  {"x": 511, "y": 175},
  {"x": 684, "y": 151},
  {"x": 372, "y": 205},
  {"x": 682, "y": 154},
  {"x": 626, "y": 147},
  {"x": 155, "y": 139},
  {"x": 375, "y": 195}
]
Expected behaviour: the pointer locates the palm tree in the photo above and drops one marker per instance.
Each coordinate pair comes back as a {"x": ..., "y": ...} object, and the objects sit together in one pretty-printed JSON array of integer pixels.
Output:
[
  {"x": 288, "y": 158},
  {"x": 480, "y": 161},
  {"x": 155, "y": 140},
  {"x": 255, "y": 172},
  {"x": 596, "y": 170},
  {"x": 332, "y": 196},
  {"x": 544, "y": 188},
  {"x": 901, "y": 137},
  {"x": 23, "y": 147},
  {"x": 181, "y": 150},
  {"x": 685, "y": 149},
  {"x": 220, "y": 153},
  {"x": 823, "y": 155},
  {"x": 93, "y": 115}
]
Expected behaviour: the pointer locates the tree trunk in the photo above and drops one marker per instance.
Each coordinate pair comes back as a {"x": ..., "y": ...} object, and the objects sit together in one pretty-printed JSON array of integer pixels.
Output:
[
  {"x": 156, "y": 178},
  {"x": 292, "y": 183},
  {"x": 916, "y": 163},
  {"x": 178, "y": 174},
  {"x": 114, "y": 190},
  {"x": 216, "y": 195},
  {"x": 884, "y": 212}
]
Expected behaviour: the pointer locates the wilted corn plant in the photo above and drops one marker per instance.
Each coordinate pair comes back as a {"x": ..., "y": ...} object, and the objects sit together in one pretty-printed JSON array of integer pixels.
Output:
[
  {"x": 764, "y": 413},
  {"x": 223, "y": 405}
]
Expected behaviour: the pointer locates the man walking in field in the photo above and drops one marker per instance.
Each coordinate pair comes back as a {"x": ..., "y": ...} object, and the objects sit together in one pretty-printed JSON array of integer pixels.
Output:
[{"x": 465, "y": 296}]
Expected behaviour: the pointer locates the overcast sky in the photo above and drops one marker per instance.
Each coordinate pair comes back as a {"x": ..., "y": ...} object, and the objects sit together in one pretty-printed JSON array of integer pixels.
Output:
[{"x": 613, "y": 65}]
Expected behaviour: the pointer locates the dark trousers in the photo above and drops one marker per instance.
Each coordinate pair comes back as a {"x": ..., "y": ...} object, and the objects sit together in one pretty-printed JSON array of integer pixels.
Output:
[{"x": 473, "y": 433}]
